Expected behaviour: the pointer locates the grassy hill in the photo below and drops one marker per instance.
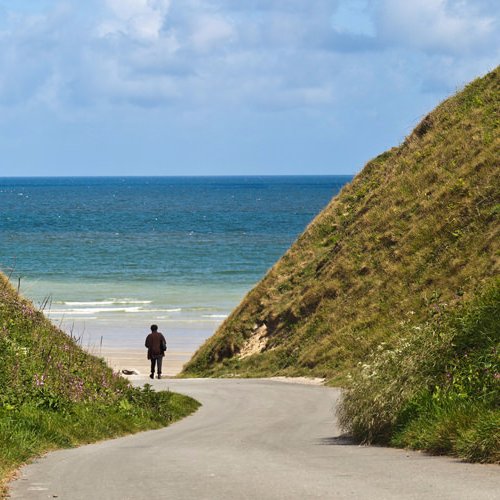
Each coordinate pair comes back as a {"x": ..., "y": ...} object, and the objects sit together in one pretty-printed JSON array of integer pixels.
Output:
[
  {"x": 416, "y": 229},
  {"x": 53, "y": 394},
  {"x": 410, "y": 241}
]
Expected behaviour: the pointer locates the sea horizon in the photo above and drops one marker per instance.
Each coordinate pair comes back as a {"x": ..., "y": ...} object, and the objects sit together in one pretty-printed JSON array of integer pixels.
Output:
[{"x": 187, "y": 176}]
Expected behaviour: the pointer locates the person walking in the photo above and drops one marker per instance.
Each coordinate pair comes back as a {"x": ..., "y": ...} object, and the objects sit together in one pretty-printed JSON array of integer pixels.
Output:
[{"x": 156, "y": 345}]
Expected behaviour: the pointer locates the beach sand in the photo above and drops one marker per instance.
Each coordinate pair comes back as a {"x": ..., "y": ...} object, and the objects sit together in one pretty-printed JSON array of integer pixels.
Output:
[{"x": 135, "y": 359}]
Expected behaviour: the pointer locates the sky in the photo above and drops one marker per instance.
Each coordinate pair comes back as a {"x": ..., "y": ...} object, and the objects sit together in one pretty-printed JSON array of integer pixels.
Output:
[{"x": 227, "y": 87}]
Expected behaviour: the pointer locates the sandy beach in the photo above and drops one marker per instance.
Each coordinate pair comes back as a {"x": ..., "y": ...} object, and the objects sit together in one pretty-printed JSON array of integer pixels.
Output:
[{"x": 136, "y": 360}]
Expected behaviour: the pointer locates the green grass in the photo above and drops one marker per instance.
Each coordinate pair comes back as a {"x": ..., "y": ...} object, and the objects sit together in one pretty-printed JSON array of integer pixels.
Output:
[
  {"x": 438, "y": 388},
  {"x": 53, "y": 394}
]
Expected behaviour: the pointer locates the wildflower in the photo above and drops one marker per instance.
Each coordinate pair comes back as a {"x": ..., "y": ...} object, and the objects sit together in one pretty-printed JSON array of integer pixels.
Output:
[{"x": 40, "y": 380}]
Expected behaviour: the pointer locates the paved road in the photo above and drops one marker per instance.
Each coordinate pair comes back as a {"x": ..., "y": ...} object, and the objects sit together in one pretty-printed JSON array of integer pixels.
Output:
[{"x": 252, "y": 439}]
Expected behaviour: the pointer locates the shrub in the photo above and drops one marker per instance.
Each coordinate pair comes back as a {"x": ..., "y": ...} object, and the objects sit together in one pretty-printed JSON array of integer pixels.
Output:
[{"x": 437, "y": 389}]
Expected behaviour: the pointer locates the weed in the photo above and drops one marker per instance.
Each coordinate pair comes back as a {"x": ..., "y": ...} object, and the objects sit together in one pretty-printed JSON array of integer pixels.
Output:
[{"x": 437, "y": 389}]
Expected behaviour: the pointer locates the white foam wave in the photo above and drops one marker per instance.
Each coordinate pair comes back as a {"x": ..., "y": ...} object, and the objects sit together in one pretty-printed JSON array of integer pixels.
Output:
[
  {"x": 104, "y": 310},
  {"x": 109, "y": 302},
  {"x": 97, "y": 310},
  {"x": 214, "y": 316}
]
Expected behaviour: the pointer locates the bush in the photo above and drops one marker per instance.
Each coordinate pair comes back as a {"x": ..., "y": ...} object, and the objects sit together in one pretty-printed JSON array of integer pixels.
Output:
[{"x": 437, "y": 389}]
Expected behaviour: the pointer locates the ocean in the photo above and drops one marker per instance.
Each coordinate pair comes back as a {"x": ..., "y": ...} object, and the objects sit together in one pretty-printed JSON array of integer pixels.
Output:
[{"x": 107, "y": 257}]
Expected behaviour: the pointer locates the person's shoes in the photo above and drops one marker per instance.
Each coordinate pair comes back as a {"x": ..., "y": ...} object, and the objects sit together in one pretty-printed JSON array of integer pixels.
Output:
[
  {"x": 159, "y": 376},
  {"x": 152, "y": 375}
]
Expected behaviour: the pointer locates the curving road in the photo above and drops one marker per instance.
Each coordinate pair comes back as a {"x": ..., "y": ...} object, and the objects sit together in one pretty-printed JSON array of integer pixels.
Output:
[{"x": 252, "y": 439}]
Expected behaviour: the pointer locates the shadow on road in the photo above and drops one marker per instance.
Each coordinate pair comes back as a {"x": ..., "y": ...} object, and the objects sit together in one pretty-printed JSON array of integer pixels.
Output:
[{"x": 342, "y": 440}]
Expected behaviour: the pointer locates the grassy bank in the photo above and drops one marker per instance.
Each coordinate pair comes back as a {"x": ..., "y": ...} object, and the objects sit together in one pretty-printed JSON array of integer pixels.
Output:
[
  {"x": 53, "y": 394},
  {"x": 438, "y": 388}
]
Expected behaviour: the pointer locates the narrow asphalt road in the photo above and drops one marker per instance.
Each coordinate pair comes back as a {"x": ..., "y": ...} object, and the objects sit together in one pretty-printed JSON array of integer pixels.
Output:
[{"x": 252, "y": 439}]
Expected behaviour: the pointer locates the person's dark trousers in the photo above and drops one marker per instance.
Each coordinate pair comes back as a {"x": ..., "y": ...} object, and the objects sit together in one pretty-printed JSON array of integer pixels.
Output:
[{"x": 157, "y": 362}]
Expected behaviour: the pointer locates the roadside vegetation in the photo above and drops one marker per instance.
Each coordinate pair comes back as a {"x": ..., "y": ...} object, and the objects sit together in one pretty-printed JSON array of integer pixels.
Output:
[
  {"x": 53, "y": 394},
  {"x": 437, "y": 388},
  {"x": 410, "y": 244}
]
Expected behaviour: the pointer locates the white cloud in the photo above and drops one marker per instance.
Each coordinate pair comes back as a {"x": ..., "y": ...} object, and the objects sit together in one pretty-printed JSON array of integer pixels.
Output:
[
  {"x": 141, "y": 19},
  {"x": 279, "y": 54},
  {"x": 443, "y": 26},
  {"x": 209, "y": 30},
  {"x": 282, "y": 82}
]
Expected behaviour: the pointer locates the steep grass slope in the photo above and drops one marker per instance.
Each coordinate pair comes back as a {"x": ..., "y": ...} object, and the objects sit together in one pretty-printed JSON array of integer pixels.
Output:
[
  {"x": 415, "y": 233},
  {"x": 53, "y": 394}
]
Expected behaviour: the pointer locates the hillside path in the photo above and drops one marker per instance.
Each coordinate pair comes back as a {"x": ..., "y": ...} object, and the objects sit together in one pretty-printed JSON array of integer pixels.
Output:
[{"x": 251, "y": 439}]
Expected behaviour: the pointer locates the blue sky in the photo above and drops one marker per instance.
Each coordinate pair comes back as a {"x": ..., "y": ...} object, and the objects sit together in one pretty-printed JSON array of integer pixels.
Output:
[{"x": 222, "y": 87}]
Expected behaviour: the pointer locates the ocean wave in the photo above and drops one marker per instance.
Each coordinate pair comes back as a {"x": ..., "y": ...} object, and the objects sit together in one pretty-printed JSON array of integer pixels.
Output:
[
  {"x": 104, "y": 310},
  {"x": 215, "y": 316},
  {"x": 84, "y": 307},
  {"x": 109, "y": 302},
  {"x": 97, "y": 310}
]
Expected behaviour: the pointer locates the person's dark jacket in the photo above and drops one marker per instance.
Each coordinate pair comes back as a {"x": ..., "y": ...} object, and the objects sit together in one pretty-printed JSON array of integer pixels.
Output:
[{"x": 156, "y": 344}]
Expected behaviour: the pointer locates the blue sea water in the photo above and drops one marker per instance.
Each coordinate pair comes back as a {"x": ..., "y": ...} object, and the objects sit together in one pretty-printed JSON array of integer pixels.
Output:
[{"x": 113, "y": 255}]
